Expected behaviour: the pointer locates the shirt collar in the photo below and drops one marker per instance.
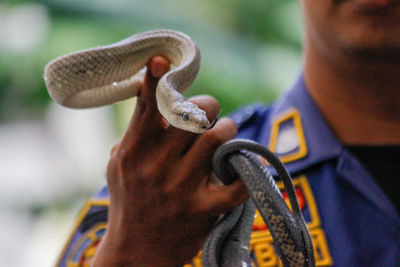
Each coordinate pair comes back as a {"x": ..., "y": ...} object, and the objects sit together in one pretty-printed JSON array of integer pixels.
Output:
[{"x": 319, "y": 144}]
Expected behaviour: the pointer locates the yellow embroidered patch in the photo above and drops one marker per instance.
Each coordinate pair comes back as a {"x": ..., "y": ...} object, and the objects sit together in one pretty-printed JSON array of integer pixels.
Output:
[
  {"x": 84, "y": 248},
  {"x": 288, "y": 142}
]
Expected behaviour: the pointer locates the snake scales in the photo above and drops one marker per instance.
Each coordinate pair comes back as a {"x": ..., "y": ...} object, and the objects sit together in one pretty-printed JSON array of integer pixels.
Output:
[{"x": 107, "y": 74}]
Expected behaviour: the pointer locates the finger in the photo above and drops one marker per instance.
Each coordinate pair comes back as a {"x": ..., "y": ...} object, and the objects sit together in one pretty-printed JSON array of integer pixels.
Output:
[
  {"x": 223, "y": 199},
  {"x": 156, "y": 68},
  {"x": 180, "y": 140},
  {"x": 204, "y": 147},
  {"x": 147, "y": 103},
  {"x": 197, "y": 161},
  {"x": 146, "y": 122},
  {"x": 199, "y": 158}
]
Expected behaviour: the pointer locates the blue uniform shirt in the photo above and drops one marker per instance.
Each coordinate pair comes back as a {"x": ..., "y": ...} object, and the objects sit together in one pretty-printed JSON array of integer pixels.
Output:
[{"x": 351, "y": 220}]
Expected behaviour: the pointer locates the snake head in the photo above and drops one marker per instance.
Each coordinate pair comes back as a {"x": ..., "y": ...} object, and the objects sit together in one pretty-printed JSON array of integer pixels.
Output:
[{"x": 190, "y": 117}]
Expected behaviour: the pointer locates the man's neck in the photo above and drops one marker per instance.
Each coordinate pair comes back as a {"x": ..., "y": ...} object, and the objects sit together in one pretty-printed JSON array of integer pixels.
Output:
[{"x": 360, "y": 101}]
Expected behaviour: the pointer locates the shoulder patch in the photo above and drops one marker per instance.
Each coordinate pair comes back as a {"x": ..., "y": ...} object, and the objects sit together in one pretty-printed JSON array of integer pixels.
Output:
[
  {"x": 287, "y": 138},
  {"x": 89, "y": 229},
  {"x": 83, "y": 251}
]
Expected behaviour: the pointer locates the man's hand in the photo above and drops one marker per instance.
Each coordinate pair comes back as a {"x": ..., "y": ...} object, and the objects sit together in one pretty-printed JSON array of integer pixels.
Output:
[{"x": 162, "y": 202}]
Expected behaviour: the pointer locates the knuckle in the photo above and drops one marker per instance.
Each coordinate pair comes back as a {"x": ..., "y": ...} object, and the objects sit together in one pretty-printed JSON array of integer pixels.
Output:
[
  {"x": 169, "y": 189},
  {"x": 116, "y": 163},
  {"x": 205, "y": 204},
  {"x": 196, "y": 207},
  {"x": 114, "y": 148},
  {"x": 227, "y": 200},
  {"x": 123, "y": 158},
  {"x": 236, "y": 199},
  {"x": 111, "y": 168},
  {"x": 150, "y": 172},
  {"x": 120, "y": 164},
  {"x": 230, "y": 196},
  {"x": 230, "y": 125},
  {"x": 138, "y": 163},
  {"x": 117, "y": 154}
]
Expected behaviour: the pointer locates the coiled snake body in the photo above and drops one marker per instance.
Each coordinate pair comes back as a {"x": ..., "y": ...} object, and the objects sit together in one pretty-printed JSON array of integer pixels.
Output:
[
  {"x": 104, "y": 75},
  {"x": 228, "y": 243}
]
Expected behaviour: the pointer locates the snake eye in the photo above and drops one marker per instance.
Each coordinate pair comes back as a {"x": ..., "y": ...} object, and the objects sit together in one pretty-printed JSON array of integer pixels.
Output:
[{"x": 185, "y": 116}]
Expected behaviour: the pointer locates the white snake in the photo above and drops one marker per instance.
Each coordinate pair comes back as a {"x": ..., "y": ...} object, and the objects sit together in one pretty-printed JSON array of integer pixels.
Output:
[{"x": 107, "y": 74}]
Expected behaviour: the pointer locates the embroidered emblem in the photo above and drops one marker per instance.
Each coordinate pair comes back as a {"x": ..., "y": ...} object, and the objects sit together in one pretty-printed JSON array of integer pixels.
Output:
[
  {"x": 84, "y": 249},
  {"x": 89, "y": 229},
  {"x": 287, "y": 137}
]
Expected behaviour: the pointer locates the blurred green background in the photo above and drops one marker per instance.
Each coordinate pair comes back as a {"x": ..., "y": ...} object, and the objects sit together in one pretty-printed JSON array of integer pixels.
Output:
[{"x": 52, "y": 158}]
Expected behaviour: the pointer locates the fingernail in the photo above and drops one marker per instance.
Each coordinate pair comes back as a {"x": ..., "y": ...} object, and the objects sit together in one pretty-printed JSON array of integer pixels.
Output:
[{"x": 158, "y": 68}]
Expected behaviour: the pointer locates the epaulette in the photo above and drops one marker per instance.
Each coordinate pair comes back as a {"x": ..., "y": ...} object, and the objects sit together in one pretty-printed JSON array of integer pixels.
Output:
[{"x": 89, "y": 229}]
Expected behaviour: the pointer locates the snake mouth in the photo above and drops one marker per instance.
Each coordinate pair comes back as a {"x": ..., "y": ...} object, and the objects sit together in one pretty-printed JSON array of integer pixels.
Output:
[{"x": 212, "y": 125}]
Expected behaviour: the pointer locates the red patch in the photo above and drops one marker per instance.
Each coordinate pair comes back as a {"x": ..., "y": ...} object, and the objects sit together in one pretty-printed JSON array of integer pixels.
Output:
[{"x": 300, "y": 197}]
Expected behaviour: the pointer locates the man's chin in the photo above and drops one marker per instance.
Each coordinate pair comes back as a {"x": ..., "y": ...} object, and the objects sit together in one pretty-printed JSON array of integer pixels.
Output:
[
  {"x": 380, "y": 10},
  {"x": 374, "y": 55}
]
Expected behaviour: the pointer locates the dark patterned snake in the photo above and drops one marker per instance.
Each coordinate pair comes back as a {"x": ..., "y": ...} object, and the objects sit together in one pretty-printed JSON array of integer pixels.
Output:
[
  {"x": 228, "y": 243},
  {"x": 107, "y": 74}
]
